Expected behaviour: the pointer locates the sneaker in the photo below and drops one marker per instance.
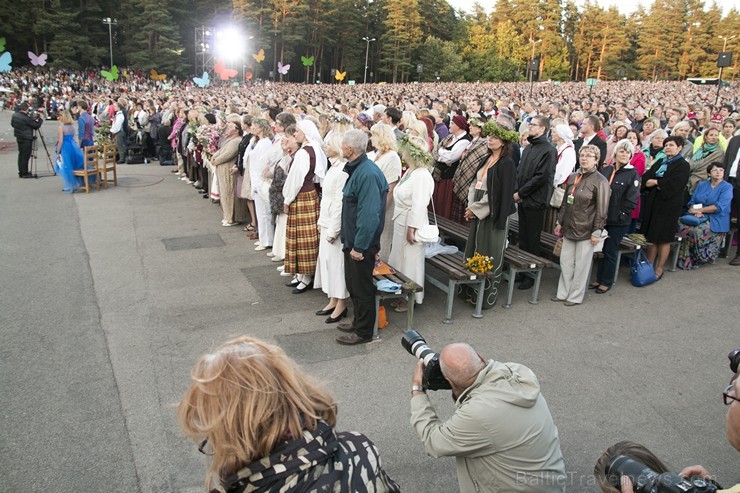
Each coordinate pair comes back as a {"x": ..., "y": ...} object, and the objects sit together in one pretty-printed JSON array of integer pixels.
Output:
[
  {"x": 260, "y": 248},
  {"x": 281, "y": 268},
  {"x": 198, "y": 184},
  {"x": 270, "y": 254},
  {"x": 257, "y": 243}
]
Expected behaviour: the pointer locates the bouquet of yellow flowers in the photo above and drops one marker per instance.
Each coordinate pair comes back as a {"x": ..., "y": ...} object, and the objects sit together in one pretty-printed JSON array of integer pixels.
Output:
[{"x": 479, "y": 264}]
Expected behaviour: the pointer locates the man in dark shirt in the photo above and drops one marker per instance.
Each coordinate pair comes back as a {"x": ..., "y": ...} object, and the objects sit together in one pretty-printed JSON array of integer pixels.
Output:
[{"x": 23, "y": 130}]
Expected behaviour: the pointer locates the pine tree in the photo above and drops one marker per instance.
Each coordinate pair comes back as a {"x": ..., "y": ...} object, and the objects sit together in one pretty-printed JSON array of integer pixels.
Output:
[{"x": 152, "y": 40}]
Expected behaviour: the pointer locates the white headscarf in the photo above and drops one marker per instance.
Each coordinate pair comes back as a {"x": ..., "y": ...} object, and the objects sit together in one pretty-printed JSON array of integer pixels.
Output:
[
  {"x": 564, "y": 132},
  {"x": 314, "y": 140}
]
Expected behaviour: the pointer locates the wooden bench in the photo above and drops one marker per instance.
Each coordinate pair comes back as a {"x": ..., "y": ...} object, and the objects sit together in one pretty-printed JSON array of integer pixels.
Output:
[
  {"x": 452, "y": 266},
  {"x": 516, "y": 260},
  {"x": 407, "y": 291}
]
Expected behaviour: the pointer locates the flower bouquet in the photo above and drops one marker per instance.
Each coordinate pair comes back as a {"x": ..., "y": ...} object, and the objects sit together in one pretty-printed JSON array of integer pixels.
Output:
[{"x": 479, "y": 264}]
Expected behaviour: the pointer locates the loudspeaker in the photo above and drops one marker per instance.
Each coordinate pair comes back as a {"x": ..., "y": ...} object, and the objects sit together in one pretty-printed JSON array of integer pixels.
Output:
[
  {"x": 534, "y": 65},
  {"x": 724, "y": 59}
]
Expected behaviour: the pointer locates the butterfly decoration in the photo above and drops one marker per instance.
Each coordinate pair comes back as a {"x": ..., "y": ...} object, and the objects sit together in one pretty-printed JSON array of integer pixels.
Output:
[
  {"x": 155, "y": 76},
  {"x": 248, "y": 75},
  {"x": 203, "y": 80},
  {"x": 112, "y": 75},
  {"x": 283, "y": 69},
  {"x": 340, "y": 75},
  {"x": 2, "y": 44},
  {"x": 259, "y": 57},
  {"x": 223, "y": 72},
  {"x": 5, "y": 60},
  {"x": 307, "y": 61},
  {"x": 37, "y": 61}
]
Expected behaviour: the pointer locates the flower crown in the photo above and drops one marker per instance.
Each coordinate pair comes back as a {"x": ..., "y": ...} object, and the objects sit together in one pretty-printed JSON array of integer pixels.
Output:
[
  {"x": 474, "y": 122},
  {"x": 340, "y": 118},
  {"x": 494, "y": 129},
  {"x": 416, "y": 153}
]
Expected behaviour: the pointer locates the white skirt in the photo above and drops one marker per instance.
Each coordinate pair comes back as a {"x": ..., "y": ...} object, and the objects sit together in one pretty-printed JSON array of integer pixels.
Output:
[
  {"x": 278, "y": 244},
  {"x": 407, "y": 258},
  {"x": 330, "y": 269}
]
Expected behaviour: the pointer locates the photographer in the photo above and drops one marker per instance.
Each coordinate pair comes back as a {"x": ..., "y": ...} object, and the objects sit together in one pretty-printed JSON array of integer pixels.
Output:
[
  {"x": 502, "y": 433},
  {"x": 24, "y": 125}
]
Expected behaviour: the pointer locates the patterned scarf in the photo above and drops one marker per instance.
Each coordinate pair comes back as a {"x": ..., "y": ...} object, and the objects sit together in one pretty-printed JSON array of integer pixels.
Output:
[{"x": 319, "y": 460}]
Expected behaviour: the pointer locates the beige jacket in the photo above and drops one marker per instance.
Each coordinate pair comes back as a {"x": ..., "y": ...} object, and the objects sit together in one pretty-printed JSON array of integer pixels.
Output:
[
  {"x": 502, "y": 433},
  {"x": 586, "y": 216}
]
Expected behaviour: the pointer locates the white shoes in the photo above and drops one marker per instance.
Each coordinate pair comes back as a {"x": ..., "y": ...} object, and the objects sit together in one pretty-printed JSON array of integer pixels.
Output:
[
  {"x": 257, "y": 243},
  {"x": 270, "y": 254},
  {"x": 260, "y": 248},
  {"x": 286, "y": 274},
  {"x": 275, "y": 259},
  {"x": 197, "y": 184},
  {"x": 281, "y": 268}
]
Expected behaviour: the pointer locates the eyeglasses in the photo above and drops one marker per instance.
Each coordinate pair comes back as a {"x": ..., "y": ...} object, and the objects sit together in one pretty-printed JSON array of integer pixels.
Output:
[
  {"x": 727, "y": 397},
  {"x": 202, "y": 447}
]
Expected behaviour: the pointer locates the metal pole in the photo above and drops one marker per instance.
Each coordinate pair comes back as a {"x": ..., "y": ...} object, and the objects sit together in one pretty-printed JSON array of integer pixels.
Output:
[
  {"x": 110, "y": 38},
  {"x": 719, "y": 86},
  {"x": 367, "y": 52}
]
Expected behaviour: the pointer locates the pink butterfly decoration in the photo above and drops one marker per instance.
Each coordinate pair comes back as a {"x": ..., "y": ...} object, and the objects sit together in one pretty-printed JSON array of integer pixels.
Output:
[
  {"x": 283, "y": 69},
  {"x": 39, "y": 60}
]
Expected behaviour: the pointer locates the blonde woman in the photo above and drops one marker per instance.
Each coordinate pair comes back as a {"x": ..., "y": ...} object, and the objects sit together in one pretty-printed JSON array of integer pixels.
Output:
[
  {"x": 330, "y": 268},
  {"x": 386, "y": 157},
  {"x": 411, "y": 197},
  {"x": 259, "y": 417},
  {"x": 69, "y": 154}
]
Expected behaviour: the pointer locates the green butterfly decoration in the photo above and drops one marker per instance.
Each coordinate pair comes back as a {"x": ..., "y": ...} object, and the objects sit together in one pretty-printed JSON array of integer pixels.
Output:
[
  {"x": 110, "y": 76},
  {"x": 307, "y": 61},
  {"x": 2, "y": 44}
]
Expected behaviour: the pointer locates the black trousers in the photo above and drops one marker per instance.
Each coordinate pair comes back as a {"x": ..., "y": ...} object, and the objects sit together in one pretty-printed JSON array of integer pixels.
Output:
[
  {"x": 608, "y": 264},
  {"x": 24, "y": 155},
  {"x": 530, "y": 228},
  {"x": 735, "y": 208},
  {"x": 359, "y": 278}
]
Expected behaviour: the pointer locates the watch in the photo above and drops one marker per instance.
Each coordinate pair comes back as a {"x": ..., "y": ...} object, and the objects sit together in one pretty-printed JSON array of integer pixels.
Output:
[{"x": 417, "y": 388}]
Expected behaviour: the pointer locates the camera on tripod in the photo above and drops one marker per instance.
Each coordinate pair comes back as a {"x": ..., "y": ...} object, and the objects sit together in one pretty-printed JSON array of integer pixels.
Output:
[
  {"x": 433, "y": 378},
  {"x": 645, "y": 480},
  {"x": 34, "y": 114}
]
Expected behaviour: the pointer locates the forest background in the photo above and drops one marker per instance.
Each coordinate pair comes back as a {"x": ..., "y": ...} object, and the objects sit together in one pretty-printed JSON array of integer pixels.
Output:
[{"x": 667, "y": 40}]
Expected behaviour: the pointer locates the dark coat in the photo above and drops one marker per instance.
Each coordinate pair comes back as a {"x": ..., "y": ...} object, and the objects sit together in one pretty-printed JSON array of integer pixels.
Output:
[
  {"x": 664, "y": 203},
  {"x": 596, "y": 141},
  {"x": 625, "y": 191},
  {"x": 535, "y": 173},
  {"x": 23, "y": 125},
  {"x": 500, "y": 184},
  {"x": 733, "y": 147}
]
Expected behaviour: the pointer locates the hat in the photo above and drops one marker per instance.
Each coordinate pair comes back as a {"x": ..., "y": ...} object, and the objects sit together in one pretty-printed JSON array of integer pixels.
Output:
[{"x": 461, "y": 122}]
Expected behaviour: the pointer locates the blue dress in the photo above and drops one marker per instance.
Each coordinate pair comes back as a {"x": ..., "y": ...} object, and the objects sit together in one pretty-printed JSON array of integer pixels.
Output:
[{"x": 72, "y": 159}]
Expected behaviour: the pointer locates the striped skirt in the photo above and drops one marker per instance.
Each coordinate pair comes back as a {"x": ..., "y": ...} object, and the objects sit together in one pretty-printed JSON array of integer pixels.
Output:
[{"x": 302, "y": 234}]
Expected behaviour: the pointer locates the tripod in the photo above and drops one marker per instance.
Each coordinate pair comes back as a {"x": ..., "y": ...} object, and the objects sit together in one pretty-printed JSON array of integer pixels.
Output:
[{"x": 37, "y": 135}]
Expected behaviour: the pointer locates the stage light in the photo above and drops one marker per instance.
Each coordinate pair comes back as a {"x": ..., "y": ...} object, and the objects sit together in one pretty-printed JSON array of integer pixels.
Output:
[{"x": 230, "y": 44}]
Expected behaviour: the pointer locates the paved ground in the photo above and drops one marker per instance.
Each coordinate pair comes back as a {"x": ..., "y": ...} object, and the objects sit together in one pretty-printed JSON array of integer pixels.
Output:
[{"x": 107, "y": 300}]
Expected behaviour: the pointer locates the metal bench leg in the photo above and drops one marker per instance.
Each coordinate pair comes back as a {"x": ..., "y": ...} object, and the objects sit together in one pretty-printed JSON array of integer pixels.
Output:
[
  {"x": 410, "y": 313},
  {"x": 535, "y": 299},
  {"x": 674, "y": 263},
  {"x": 510, "y": 288},
  {"x": 616, "y": 271},
  {"x": 377, "y": 308},
  {"x": 450, "y": 300},
  {"x": 479, "y": 302}
]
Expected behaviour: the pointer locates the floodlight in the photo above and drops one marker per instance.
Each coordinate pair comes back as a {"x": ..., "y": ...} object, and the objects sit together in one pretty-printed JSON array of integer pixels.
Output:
[{"x": 230, "y": 44}]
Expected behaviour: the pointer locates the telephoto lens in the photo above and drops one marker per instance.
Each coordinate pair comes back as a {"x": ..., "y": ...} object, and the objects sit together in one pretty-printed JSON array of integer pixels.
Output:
[
  {"x": 734, "y": 360},
  {"x": 415, "y": 344}
]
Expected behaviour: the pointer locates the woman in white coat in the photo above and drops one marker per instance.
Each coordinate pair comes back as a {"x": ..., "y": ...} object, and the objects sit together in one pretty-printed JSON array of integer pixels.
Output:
[
  {"x": 412, "y": 196},
  {"x": 330, "y": 269},
  {"x": 257, "y": 157}
]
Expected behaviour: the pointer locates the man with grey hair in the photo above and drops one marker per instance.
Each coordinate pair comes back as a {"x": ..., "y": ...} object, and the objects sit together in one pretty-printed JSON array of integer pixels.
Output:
[
  {"x": 502, "y": 433},
  {"x": 363, "y": 213}
]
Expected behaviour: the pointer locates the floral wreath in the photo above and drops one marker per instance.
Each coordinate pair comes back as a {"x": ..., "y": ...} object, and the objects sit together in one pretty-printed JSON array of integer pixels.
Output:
[
  {"x": 341, "y": 119},
  {"x": 494, "y": 129},
  {"x": 416, "y": 153}
]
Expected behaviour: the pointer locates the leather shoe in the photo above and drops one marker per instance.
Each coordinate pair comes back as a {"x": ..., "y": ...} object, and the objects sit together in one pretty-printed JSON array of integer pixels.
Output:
[
  {"x": 293, "y": 283},
  {"x": 331, "y": 320},
  {"x": 527, "y": 283},
  {"x": 735, "y": 261},
  {"x": 347, "y": 327},
  {"x": 305, "y": 288},
  {"x": 352, "y": 339},
  {"x": 321, "y": 313}
]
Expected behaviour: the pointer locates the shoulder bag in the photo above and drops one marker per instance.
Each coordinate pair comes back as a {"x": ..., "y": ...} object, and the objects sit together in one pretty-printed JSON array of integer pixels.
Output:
[
  {"x": 430, "y": 232},
  {"x": 642, "y": 270}
]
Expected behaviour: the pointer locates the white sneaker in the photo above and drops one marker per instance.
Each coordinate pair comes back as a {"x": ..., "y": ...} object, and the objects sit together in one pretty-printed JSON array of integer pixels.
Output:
[
  {"x": 257, "y": 243},
  {"x": 281, "y": 268},
  {"x": 286, "y": 274},
  {"x": 270, "y": 254},
  {"x": 275, "y": 259},
  {"x": 197, "y": 184},
  {"x": 260, "y": 248}
]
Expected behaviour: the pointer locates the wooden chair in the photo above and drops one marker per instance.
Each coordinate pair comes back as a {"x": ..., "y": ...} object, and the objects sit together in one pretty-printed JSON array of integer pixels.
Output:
[
  {"x": 90, "y": 168},
  {"x": 109, "y": 164}
]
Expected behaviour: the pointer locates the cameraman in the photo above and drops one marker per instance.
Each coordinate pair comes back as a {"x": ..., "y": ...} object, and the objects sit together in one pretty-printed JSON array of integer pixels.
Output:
[
  {"x": 23, "y": 127},
  {"x": 502, "y": 433},
  {"x": 731, "y": 397}
]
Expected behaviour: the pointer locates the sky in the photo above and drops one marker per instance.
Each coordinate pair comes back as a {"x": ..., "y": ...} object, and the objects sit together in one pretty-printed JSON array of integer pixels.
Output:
[{"x": 625, "y": 6}]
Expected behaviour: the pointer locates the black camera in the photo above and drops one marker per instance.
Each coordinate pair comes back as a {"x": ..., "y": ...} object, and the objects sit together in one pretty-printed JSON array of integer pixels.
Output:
[
  {"x": 415, "y": 344},
  {"x": 645, "y": 480},
  {"x": 734, "y": 360}
]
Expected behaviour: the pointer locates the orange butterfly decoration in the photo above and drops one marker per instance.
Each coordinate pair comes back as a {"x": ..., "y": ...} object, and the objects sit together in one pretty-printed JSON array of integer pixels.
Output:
[
  {"x": 340, "y": 75},
  {"x": 155, "y": 76},
  {"x": 259, "y": 57},
  {"x": 223, "y": 72}
]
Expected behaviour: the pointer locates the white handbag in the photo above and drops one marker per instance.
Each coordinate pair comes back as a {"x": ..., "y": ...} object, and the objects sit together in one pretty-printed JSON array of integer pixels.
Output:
[
  {"x": 430, "y": 232},
  {"x": 599, "y": 247}
]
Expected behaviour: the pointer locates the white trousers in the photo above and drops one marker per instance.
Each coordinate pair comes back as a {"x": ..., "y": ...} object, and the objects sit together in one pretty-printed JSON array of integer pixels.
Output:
[
  {"x": 575, "y": 266},
  {"x": 265, "y": 229},
  {"x": 278, "y": 244}
]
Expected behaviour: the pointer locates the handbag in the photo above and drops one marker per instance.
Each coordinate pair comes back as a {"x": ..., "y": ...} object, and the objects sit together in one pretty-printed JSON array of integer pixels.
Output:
[
  {"x": 692, "y": 220},
  {"x": 599, "y": 247},
  {"x": 558, "y": 247},
  {"x": 642, "y": 270},
  {"x": 430, "y": 232},
  {"x": 556, "y": 201}
]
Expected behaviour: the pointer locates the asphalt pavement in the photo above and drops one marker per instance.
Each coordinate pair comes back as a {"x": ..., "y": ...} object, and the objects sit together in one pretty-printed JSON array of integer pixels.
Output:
[{"x": 107, "y": 299}]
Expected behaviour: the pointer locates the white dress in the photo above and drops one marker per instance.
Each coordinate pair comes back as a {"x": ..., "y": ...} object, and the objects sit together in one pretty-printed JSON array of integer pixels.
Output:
[
  {"x": 412, "y": 196},
  {"x": 330, "y": 270},
  {"x": 259, "y": 159},
  {"x": 390, "y": 164}
]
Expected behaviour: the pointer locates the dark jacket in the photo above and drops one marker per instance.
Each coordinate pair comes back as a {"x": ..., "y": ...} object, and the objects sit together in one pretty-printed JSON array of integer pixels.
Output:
[
  {"x": 535, "y": 173},
  {"x": 625, "y": 189},
  {"x": 733, "y": 147},
  {"x": 663, "y": 203},
  {"x": 596, "y": 141},
  {"x": 23, "y": 125},
  {"x": 500, "y": 183},
  {"x": 363, "y": 205}
]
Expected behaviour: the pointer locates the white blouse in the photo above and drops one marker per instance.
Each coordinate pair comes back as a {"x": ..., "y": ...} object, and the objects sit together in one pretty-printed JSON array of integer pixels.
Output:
[
  {"x": 255, "y": 156},
  {"x": 412, "y": 196},
  {"x": 330, "y": 215},
  {"x": 297, "y": 174},
  {"x": 389, "y": 163},
  {"x": 566, "y": 163}
]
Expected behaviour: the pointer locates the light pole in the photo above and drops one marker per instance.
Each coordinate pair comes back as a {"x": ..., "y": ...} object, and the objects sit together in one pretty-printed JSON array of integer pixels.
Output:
[
  {"x": 111, "y": 23},
  {"x": 367, "y": 52},
  {"x": 531, "y": 65},
  {"x": 719, "y": 82}
]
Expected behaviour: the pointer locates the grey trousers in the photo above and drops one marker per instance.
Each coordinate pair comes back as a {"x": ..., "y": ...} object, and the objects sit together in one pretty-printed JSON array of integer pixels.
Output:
[
  {"x": 575, "y": 265},
  {"x": 121, "y": 145}
]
